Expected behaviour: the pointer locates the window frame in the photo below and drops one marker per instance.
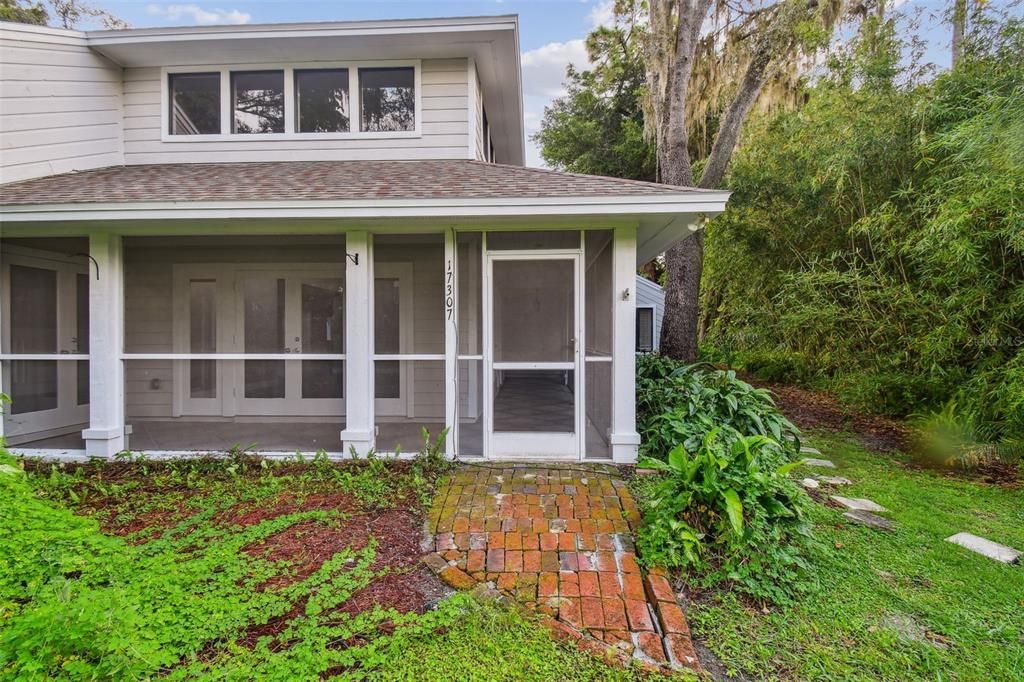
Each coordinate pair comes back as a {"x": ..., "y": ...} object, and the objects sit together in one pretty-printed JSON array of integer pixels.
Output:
[
  {"x": 637, "y": 340},
  {"x": 290, "y": 112}
]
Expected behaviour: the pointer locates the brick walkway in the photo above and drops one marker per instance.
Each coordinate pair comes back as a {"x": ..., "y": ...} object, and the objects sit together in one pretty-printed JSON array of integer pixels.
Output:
[{"x": 560, "y": 540}]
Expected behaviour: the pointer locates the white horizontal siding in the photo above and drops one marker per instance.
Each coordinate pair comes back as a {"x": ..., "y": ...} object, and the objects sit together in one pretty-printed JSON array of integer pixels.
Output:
[
  {"x": 444, "y": 102},
  {"x": 60, "y": 105}
]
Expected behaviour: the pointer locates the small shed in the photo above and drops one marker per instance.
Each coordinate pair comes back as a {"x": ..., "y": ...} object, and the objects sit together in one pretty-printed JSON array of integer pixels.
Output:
[{"x": 650, "y": 310}]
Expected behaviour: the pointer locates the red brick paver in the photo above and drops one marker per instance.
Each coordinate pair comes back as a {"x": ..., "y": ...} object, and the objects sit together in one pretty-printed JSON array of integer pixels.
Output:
[{"x": 560, "y": 540}]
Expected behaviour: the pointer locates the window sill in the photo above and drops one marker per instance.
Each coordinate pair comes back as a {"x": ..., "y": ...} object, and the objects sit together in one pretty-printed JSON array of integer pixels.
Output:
[{"x": 318, "y": 137}]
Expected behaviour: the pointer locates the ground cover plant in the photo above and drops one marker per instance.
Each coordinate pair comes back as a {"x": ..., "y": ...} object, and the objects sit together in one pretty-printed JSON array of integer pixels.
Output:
[
  {"x": 904, "y": 605},
  {"x": 244, "y": 568}
]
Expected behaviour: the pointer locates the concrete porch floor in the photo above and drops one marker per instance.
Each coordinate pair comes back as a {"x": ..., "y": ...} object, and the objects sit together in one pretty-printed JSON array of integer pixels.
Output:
[{"x": 521, "y": 405}]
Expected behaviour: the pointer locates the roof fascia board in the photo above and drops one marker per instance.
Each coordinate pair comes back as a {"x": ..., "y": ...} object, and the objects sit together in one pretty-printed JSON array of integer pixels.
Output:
[
  {"x": 325, "y": 29},
  {"x": 364, "y": 209},
  {"x": 48, "y": 34}
]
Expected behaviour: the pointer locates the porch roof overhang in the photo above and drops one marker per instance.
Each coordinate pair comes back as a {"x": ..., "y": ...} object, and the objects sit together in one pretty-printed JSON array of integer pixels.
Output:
[{"x": 323, "y": 197}]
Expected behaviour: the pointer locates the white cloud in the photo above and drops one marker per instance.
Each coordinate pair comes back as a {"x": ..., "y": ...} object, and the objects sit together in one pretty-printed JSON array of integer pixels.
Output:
[
  {"x": 602, "y": 14},
  {"x": 544, "y": 67},
  {"x": 200, "y": 16}
]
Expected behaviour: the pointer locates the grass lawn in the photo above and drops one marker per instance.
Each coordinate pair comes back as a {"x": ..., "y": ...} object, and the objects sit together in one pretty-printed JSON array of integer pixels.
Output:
[
  {"x": 244, "y": 569},
  {"x": 962, "y": 615}
]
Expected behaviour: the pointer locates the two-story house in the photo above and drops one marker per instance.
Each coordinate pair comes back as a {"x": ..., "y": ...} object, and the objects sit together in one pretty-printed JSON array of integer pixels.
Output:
[{"x": 309, "y": 237}]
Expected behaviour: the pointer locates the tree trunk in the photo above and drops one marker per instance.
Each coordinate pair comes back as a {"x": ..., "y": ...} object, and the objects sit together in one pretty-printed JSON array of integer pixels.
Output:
[
  {"x": 684, "y": 262},
  {"x": 959, "y": 25},
  {"x": 680, "y": 331},
  {"x": 729, "y": 132}
]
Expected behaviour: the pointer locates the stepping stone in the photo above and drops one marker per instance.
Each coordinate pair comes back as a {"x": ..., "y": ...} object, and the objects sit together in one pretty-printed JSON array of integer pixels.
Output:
[
  {"x": 859, "y": 504},
  {"x": 832, "y": 480},
  {"x": 810, "y": 483},
  {"x": 866, "y": 518},
  {"x": 811, "y": 462},
  {"x": 808, "y": 450},
  {"x": 993, "y": 550}
]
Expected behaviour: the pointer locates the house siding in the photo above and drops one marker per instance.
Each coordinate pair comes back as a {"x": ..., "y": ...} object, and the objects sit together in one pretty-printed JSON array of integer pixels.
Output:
[
  {"x": 444, "y": 120},
  {"x": 60, "y": 104}
]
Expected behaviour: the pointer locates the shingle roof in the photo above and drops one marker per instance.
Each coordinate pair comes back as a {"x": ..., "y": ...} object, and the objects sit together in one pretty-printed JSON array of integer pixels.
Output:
[{"x": 334, "y": 180}]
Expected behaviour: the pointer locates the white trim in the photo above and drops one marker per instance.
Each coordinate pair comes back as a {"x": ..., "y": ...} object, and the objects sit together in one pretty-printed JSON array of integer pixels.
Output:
[
  {"x": 226, "y": 356},
  {"x": 43, "y": 356},
  {"x": 290, "y": 121},
  {"x": 707, "y": 203},
  {"x": 598, "y": 358},
  {"x": 471, "y": 95},
  {"x": 451, "y": 343},
  {"x": 534, "y": 365},
  {"x": 624, "y": 438},
  {"x": 410, "y": 357},
  {"x": 328, "y": 29}
]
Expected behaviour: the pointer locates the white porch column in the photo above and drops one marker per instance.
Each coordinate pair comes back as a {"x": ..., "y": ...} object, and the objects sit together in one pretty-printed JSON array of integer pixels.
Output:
[
  {"x": 624, "y": 438},
  {"x": 359, "y": 417},
  {"x": 105, "y": 435},
  {"x": 451, "y": 344}
]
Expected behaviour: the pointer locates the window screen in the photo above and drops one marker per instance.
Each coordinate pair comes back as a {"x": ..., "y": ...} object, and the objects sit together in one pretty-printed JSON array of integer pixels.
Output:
[
  {"x": 387, "y": 99},
  {"x": 322, "y": 100},
  {"x": 257, "y": 102},
  {"x": 644, "y": 330},
  {"x": 195, "y": 103}
]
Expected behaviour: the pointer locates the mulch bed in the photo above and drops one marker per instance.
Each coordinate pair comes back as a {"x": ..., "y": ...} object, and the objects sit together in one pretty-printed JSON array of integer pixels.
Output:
[
  {"x": 814, "y": 410},
  {"x": 402, "y": 583}
]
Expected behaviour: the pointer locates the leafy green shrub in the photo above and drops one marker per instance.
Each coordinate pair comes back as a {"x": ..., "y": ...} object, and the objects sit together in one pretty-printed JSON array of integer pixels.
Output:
[
  {"x": 878, "y": 229},
  {"x": 681, "y": 404},
  {"x": 727, "y": 512}
]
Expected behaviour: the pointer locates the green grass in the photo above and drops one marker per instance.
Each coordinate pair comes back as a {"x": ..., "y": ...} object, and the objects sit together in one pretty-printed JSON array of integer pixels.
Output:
[{"x": 840, "y": 631}]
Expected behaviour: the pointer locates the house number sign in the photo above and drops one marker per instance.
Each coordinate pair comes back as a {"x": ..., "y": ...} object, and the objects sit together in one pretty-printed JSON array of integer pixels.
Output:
[{"x": 449, "y": 291}]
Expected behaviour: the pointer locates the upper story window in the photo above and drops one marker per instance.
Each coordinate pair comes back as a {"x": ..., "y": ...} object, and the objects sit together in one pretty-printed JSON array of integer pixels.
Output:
[
  {"x": 195, "y": 103},
  {"x": 301, "y": 101},
  {"x": 257, "y": 102},
  {"x": 388, "y": 99},
  {"x": 322, "y": 103}
]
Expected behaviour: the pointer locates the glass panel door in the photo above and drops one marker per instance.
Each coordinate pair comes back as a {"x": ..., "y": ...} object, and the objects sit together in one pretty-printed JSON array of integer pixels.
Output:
[
  {"x": 48, "y": 314},
  {"x": 287, "y": 312},
  {"x": 533, "y": 363}
]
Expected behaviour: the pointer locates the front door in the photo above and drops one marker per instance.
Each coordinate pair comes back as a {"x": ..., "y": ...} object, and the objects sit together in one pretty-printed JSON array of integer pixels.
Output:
[
  {"x": 532, "y": 378},
  {"x": 46, "y": 308}
]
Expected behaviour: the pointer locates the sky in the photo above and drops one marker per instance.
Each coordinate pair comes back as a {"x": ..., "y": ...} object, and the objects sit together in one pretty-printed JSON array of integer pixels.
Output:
[{"x": 551, "y": 31}]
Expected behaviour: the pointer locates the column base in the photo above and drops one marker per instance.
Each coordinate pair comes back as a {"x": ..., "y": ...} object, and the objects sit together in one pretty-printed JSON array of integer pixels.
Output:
[
  {"x": 625, "y": 447},
  {"x": 356, "y": 443},
  {"x": 103, "y": 442}
]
